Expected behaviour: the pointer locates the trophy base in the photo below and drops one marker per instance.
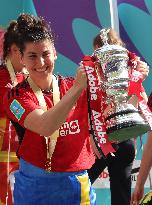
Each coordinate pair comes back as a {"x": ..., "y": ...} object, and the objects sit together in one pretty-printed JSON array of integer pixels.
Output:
[{"x": 127, "y": 130}]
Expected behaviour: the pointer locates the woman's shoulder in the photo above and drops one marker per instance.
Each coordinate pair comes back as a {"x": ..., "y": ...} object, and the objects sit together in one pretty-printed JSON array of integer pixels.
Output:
[
  {"x": 23, "y": 85},
  {"x": 20, "y": 90}
]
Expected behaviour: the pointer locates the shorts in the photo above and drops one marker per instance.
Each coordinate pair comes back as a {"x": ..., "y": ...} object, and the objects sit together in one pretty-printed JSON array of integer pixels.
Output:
[{"x": 35, "y": 186}]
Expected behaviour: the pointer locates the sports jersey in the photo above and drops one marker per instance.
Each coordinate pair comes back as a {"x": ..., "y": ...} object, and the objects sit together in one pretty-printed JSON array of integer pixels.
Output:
[
  {"x": 73, "y": 151},
  {"x": 5, "y": 83},
  {"x": 5, "y": 132}
]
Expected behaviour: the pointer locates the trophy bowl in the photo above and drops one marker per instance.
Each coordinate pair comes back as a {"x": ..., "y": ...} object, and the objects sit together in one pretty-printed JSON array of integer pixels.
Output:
[{"x": 123, "y": 119}]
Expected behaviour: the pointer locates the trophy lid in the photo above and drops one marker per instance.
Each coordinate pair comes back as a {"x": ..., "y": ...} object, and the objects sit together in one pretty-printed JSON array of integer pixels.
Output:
[{"x": 107, "y": 51}]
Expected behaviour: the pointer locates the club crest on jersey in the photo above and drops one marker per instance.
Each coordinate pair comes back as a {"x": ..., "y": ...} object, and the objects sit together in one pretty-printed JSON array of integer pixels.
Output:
[{"x": 17, "y": 109}]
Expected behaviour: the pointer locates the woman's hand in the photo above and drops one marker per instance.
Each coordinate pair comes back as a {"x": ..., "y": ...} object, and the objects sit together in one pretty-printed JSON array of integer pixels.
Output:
[
  {"x": 137, "y": 195},
  {"x": 81, "y": 78},
  {"x": 143, "y": 68}
]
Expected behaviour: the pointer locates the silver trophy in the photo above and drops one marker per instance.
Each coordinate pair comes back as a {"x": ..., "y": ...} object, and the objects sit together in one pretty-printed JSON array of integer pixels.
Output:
[{"x": 123, "y": 119}]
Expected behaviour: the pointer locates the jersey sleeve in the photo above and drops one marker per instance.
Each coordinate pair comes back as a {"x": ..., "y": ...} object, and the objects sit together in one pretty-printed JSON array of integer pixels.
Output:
[{"x": 18, "y": 104}]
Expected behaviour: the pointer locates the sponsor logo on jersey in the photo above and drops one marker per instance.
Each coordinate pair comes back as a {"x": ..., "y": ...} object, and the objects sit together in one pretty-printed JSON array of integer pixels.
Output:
[{"x": 70, "y": 128}]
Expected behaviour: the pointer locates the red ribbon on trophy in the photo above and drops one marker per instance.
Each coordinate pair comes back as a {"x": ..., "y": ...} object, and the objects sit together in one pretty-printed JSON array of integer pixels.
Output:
[
  {"x": 100, "y": 138},
  {"x": 135, "y": 88}
]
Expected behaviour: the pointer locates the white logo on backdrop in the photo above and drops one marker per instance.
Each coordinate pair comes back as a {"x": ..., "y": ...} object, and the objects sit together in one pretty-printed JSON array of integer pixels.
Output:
[{"x": 103, "y": 181}]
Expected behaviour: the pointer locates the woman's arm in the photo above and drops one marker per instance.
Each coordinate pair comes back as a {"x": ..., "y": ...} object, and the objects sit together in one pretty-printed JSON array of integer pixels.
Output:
[
  {"x": 146, "y": 161},
  {"x": 45, "y": 123},
  {"x": 145, "y": 167}
]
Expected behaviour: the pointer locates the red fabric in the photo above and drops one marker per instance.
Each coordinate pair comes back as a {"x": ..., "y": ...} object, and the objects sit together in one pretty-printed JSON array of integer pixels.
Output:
[
  {"x": 96, "y": 112},
  {"x": 4, "y": 84},
  {"x": 4, "y": 81},
  {"x": 133, "y": 58},
  {"x": 135, "y": 87},
  {"x": 142, "y": 89},
  {"x": 3, "y": 182},
  {"x": 73, "y": 150}
]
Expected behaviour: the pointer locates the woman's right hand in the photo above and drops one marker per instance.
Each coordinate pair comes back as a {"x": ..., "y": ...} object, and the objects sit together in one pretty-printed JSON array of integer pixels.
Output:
[
  {"x": 137, "y": 195},
  {"x": 143, "y": 68},
  {"x": 81, "y": 78}
]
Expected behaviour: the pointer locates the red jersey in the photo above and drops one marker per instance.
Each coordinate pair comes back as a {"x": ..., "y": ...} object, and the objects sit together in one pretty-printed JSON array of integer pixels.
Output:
[
  {"x": 5, "y": 83},
  {"x": 73, "y": 151},
  {"x": 5, "y": 80},
  {"x": 5, "y": 131}
]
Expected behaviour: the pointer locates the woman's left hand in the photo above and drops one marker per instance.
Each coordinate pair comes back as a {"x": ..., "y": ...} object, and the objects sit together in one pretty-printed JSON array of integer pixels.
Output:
[{"x": 143, "y": 68}]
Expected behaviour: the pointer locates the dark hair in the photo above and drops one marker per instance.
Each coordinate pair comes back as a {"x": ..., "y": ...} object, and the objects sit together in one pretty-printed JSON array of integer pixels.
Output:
[
  {"x": 10, "y": 37},
  {"x": 113, "y": 38},
  {"x": 27, "y": 28}
]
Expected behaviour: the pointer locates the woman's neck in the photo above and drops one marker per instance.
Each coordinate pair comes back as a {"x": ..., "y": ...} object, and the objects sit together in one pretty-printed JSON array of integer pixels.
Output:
[{"x": 44, "y": 84}]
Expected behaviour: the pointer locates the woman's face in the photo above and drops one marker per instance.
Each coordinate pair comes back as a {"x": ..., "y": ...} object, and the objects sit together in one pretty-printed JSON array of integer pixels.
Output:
[{"x": 39, "y": 58}]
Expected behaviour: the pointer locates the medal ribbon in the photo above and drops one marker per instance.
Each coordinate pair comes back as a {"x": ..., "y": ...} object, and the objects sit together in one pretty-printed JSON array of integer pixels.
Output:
[
  {"x": 50, "y": 140},
  {"x": 11, "y": 72}
]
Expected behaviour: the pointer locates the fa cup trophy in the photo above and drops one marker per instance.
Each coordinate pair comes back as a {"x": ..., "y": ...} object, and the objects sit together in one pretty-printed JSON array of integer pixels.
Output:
[{"x": 123, "y": 119}]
